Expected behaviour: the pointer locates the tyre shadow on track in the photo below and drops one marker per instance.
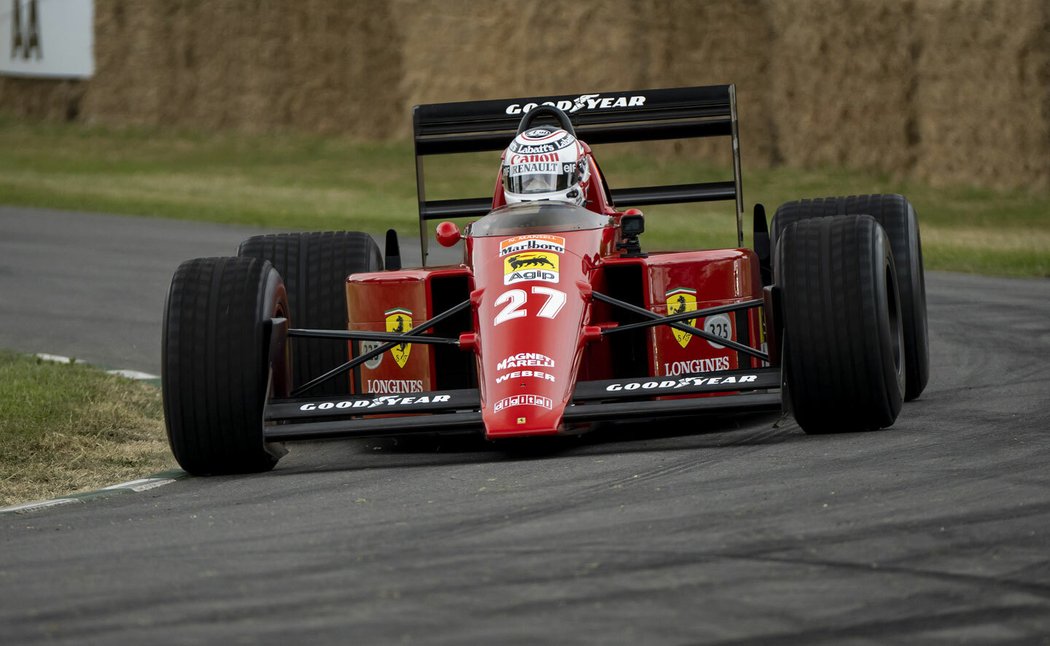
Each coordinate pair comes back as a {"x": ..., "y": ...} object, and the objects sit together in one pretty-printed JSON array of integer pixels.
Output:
[
  {"x": 670, "y": 434},
  {"x": 691, "y": 433}
]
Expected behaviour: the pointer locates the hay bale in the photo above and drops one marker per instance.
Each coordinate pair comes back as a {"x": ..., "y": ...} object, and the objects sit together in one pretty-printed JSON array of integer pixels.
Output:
[
  {"x": 513, "y": 48},
  {"x": 684, "y": 43},
  {"x": 951, "y": 90},
  {"x": 527, "y": 49},
  {"x": 984, "y": 93},
  {"x": 710, "y": 43},
  {"x": 843, "y": 79},
  {"x": 53, "y": 100},
  {"x": 312, "y": 65},
  {"x": 128, "y": 46}
]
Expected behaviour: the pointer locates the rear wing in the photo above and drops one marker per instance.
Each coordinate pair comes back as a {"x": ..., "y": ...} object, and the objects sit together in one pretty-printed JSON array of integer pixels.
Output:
[{"x": 600, "y": 118}]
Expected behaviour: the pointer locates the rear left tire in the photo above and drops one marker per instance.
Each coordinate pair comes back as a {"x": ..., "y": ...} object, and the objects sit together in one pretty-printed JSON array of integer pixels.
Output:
[{"x": 315, "y": 266}]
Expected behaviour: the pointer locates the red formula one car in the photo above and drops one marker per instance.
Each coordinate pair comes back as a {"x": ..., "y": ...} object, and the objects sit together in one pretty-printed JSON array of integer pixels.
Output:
[{"x": 557, "y": 317}]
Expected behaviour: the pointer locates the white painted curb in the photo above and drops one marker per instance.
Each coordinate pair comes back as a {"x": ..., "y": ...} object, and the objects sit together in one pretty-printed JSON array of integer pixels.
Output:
[
  {"x": 131, "y": 486},
  {"x": 129, "y": 374},
  {"x": 37, "y": 506},
  {"x": 142, "y": 484}
]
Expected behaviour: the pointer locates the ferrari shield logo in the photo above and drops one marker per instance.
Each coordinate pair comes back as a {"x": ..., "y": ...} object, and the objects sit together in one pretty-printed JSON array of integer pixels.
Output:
[
  {"x": 399, "y": 320},
  {"x": 681, "y": 300}
]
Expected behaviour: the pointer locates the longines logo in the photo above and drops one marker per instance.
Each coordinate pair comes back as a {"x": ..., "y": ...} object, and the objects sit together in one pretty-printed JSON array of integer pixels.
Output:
[{"x": 25, "y": 31}]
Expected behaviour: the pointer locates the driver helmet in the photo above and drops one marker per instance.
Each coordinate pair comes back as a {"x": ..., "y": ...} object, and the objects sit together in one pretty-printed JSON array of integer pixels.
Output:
[{"x": 545, "y": 163}]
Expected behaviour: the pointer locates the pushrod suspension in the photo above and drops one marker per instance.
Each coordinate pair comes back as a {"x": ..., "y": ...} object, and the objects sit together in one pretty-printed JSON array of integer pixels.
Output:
[
  {"x": 352, "y": 335},
  {"x": 675, "y": 321},
  {"x": 356, "y": 361}
]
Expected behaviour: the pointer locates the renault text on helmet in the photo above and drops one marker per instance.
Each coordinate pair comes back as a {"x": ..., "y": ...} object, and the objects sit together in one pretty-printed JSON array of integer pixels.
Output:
[{"x": 544, "y": 163}]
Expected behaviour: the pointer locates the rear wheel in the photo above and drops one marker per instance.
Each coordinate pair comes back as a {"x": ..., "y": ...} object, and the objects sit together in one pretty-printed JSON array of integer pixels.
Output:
[
  {"x": 218, "y": 366},
  {"x": 844, "y": 358},
  {"x": 314, "y": 267},
  {"x": 898, "y": 219}
]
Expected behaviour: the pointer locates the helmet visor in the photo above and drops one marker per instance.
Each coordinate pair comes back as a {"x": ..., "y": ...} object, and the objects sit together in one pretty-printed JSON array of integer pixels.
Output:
[{"x": 532, "y": 178}]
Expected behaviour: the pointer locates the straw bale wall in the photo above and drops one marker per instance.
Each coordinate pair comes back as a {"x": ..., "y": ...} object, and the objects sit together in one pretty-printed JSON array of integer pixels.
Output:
[
  {"x": 310, "y": 65},
  {"x": 843, "y": 79},
  {"x": 952, "y": 91},
  {"x": 982, "y": 103}
]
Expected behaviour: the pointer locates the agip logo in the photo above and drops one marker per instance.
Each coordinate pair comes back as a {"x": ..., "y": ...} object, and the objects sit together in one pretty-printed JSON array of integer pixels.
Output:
[
  {"x": 399, "y": 320},
  {"x": 679, "y": 301},
  {"x": 525, "y": 266}
]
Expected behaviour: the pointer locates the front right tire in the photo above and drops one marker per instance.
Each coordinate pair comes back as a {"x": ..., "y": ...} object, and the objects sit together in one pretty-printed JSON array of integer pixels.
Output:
[{"x": 218, "y": 366}]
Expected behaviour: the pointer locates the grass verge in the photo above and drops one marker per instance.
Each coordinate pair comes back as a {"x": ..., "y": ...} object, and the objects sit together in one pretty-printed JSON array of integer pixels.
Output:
[
  {"x": 67, "y": 428},
  {"x": 314, "y": 183}
]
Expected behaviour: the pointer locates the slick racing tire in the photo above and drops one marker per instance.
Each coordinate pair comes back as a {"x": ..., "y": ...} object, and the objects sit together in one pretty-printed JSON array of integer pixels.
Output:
[
  {"x": 314, "y": 267},
  {"x": 898, "y": 219},
  {"x": 843, "y": 326},
  {"x": 219, "y": 366}
]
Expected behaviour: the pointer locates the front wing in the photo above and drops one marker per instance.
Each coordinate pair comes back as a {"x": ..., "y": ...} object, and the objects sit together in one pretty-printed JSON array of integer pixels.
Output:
[{"x": 457, "y": 411}]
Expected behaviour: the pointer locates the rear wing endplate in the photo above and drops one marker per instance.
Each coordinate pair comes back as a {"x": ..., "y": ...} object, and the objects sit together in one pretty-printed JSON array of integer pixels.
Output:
[{"x": 599, "y": 118}]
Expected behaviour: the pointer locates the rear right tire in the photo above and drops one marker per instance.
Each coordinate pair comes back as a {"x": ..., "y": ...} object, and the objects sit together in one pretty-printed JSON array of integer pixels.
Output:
[
  {"x": 844, "y": 355},
  {"x": 897, "y": 217}
]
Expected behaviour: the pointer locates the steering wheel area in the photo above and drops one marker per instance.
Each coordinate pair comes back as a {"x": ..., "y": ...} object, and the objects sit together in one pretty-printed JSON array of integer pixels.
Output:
[{"x": 541, "y": 111}]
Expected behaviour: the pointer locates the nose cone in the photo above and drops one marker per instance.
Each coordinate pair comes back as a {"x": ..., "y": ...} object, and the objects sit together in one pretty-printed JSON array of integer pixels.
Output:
[
  {"x": 529, "y": 321},
  {"x": 529, "y": 368}
]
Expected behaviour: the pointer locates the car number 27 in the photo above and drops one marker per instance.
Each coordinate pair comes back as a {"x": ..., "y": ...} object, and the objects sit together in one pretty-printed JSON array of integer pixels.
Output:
[{"x": 516, "y": 299}]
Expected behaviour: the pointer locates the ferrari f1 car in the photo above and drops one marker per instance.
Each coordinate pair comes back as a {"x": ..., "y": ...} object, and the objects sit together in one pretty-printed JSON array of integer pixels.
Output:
[{"x": 556, "y": 318}]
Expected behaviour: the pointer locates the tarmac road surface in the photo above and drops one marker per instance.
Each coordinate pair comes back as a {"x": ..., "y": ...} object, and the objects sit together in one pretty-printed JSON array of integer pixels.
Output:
[
  {"x": 936, "y": 530},
  {"x": 92, "y": 286}
]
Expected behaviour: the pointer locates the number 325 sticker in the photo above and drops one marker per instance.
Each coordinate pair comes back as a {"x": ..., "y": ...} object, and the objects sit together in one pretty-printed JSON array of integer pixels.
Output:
[
  {"x": 515, "y": 300},
  {"x": 718, "y": 325}
]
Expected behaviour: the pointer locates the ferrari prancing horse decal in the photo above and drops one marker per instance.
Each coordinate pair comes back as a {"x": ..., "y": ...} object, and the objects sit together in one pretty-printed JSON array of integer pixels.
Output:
[
  {"x": 679, "y": 301},
  {"x": 399, "y": 320}
]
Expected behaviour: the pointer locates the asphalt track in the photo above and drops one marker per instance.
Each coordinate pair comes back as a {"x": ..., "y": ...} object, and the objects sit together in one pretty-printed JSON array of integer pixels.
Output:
[
  {"x": 92, "y": 286},
  {"x": 936, "y": 530}
]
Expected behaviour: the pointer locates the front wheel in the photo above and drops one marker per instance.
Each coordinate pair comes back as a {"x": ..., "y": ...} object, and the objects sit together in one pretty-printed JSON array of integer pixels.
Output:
[
  {"x": 219, "y": 366},
  {"x": 844, "y": 359}
]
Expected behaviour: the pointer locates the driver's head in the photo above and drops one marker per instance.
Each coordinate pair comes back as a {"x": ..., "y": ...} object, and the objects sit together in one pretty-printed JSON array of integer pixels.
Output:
[{"x": 544, "y": 163}]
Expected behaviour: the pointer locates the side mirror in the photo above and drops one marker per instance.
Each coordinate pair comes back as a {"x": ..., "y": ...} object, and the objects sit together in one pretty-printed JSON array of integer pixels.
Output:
[
  {"x": 632, "y": 223},
  {"x": 447, "y": 234}
]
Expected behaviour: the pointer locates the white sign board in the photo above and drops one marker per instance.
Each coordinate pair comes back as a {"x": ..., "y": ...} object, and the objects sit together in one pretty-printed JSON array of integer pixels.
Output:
[{"x": 47, "y": 38}]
